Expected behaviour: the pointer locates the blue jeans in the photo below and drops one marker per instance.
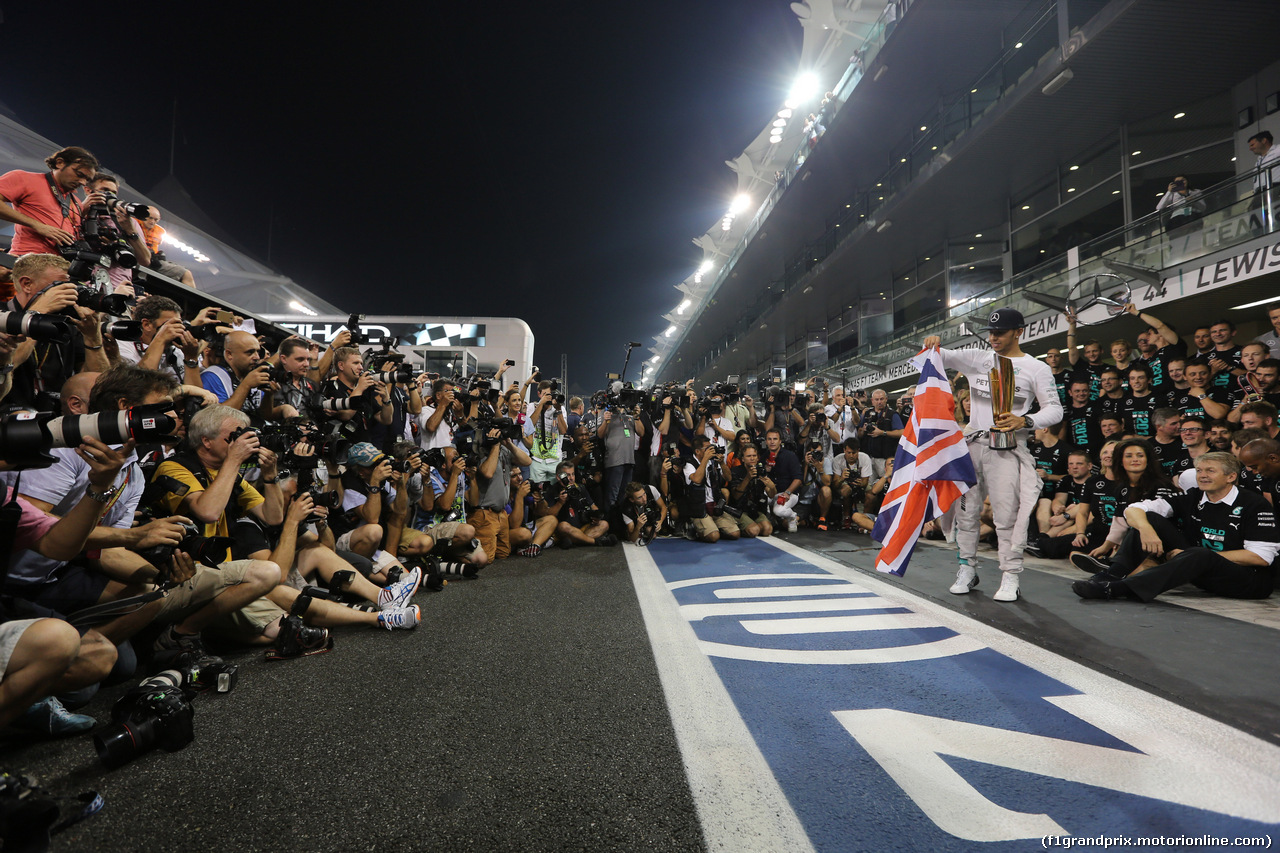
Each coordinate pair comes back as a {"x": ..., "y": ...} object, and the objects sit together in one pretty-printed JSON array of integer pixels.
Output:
[{"x": 615, "y": 477}]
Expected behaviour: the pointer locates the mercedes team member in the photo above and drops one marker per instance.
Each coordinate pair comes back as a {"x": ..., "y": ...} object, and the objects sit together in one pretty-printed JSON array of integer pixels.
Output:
[{"x": 1012, "y": 473}]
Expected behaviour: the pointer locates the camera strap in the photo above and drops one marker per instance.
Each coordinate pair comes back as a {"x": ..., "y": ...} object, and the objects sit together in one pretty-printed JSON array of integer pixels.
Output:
[
  {"x": 10, "y": 515},
  {"x": 63, "y": 199}
]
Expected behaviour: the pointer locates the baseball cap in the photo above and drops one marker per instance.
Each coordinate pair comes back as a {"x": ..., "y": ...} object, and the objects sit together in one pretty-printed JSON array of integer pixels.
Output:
[
  {"x": 363, "y": 455},
  {"x": 1004, "y": 319}
]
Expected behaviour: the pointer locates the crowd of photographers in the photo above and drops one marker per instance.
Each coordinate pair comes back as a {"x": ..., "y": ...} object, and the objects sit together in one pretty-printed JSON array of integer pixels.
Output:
[{"x": 173, "y": 475}]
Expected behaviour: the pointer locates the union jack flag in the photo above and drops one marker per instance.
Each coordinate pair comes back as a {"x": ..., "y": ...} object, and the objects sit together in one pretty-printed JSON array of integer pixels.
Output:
[{"x": 931, "y": 469}]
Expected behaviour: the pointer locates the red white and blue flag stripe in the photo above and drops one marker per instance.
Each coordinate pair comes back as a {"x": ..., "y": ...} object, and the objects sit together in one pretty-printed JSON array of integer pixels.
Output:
[{"x": 931, "y": 469}]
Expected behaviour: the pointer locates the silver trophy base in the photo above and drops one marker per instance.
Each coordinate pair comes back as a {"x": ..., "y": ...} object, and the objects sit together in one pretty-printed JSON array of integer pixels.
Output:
[{"x": 1002, "y": 439}]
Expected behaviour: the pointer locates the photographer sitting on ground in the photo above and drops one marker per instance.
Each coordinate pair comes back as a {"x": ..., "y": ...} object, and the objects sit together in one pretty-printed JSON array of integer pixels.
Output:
[
  {"x": 706, "y": 495},
  {"x": 202, "y": 594},
  {"x": 367, "y": 492},
  {"x": 750, "y": 492},
  {"x": 579, "y": 520},
  {"x": 307, "y": 549},
  {"x": 529, "y": 533},
  {"x": 41, "y": 367},
  {"x": 643, "y": 512},
  {"x": 438, "y": 497}
]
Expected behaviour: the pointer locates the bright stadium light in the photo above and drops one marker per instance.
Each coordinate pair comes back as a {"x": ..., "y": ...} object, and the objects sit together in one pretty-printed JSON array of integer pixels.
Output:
[
  {"x": 684, "y": 306},
  {"x": 669, "y": 332},
  {"x": 804, "y": 89},
  {"x": 190, "y": 250},
  {"x": 656, "y": 359},
  {"x": 706, "y": 266},
  {"x": 784, "y": 113},
  {"x": 780, "y": 122},
  {"x": 740, "y": 203},
  {"x": 302, "y": 309}
]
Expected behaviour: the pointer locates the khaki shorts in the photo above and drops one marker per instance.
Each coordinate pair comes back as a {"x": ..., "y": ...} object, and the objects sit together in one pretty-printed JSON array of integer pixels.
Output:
[
  {"x": 409, "y": 534},
  {"x": 445, "y": 530},
  {"x": 203, "y": 587},
  {"x": 248, "y": 623},
  {"x": 747, "y": 520},
  {"x": 708, "y": 525}
]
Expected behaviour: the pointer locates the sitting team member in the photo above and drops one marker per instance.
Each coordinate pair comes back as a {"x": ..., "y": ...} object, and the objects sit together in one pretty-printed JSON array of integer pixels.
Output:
[
  {"x": 705, "y": 483},
  {"x": 637, "y": 514},
  {"x": 751, "y": 491},
  {"x": 489, "y": 492},
  {"x": 243, "y": 383},
  {"x": 579, "y": 520},
  {"x": 1064, "y": 523},
  {"x": 1136, "y": 476},
  {"x": 1050, "y": 456},
  {"x": 1167, "y": 442},
  {"x": 783, "y": 467},
  {"x": 528, "y": 534},
  {"x": 851, "y": 471},
  {"x": 1218, "y": 537},
  {"x": 166, "y": 344},
  {"x": 1248, "y": 480},
  {"x": 367, "y": 490}
]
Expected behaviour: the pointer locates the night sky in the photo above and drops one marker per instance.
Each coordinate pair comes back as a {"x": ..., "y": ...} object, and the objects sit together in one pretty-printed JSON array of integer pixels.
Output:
[{"x": 546, "y": 161}]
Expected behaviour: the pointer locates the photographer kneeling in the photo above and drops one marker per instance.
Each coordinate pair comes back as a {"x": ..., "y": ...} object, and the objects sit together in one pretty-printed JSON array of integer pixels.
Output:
[
  {"x": 751, "y": 491},
  {"x": 705, "y": 493}
]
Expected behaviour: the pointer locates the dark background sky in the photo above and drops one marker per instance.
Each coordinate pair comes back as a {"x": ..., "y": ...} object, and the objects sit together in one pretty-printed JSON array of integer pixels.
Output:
[{"x": 546, "y": 161}]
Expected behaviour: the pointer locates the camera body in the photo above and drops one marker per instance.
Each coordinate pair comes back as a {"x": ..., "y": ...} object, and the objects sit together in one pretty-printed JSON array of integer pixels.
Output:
[
  {"x": 157, "y": 712},
  {"x": 780, "y": 398},
  {"x": 208, "y": 550}
]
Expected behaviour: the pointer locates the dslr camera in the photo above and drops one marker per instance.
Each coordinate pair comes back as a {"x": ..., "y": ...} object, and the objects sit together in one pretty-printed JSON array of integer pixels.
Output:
[
  {"x": 47, "y": 328},
  {"x": 26, "y": 437},
  {"x": 157, "y": 712},
  {"x": 208, "y": 550}
]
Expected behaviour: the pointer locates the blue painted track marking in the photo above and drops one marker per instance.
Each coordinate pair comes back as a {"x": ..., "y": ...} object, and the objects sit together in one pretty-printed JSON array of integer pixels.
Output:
[{"x": 888, "y": 722}]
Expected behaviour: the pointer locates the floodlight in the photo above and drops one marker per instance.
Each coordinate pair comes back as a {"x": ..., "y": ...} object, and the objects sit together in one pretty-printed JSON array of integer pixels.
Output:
[
  {"x": 740, "y": 203},
  {"x": 805, "y": 88}
]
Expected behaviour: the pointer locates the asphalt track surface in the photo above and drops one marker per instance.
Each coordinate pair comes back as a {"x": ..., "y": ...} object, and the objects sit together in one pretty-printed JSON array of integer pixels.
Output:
[{"x": 528, "y": 712}]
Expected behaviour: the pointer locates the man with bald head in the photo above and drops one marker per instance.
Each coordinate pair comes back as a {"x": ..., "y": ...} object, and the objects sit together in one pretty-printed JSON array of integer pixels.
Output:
[
  {"x": 1262, "y": 457},
  {"x": 242, "y": 384},
  {"x": 75, "y": 393}
]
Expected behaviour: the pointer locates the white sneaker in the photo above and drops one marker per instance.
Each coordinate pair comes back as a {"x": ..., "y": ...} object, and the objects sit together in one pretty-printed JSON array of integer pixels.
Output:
[
  {"x": 1008, "y": 590},
  {"x": 397, "y": 596},
  {"x": 966, "y": 579},
  {"x": 792, "y": 525}
]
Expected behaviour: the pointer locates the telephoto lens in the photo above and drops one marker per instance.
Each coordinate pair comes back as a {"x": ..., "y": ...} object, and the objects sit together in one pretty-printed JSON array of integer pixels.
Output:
[
  {"x": 146, "y": 424},
  {"x": 124, "y": 330},
  {"x": 50, "y": 328}
]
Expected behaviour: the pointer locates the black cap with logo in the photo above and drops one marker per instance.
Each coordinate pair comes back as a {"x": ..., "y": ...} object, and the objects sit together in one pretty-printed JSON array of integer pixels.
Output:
[{"x": 1004, "y": 319}]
